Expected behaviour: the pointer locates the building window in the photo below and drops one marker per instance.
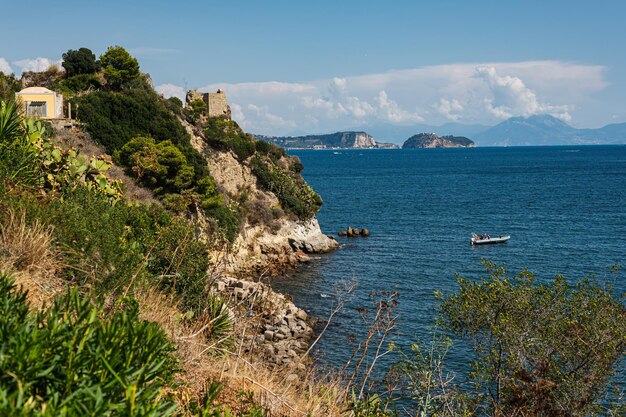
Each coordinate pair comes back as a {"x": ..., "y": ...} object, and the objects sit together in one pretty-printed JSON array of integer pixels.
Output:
[{"x": 37, "y": 108}]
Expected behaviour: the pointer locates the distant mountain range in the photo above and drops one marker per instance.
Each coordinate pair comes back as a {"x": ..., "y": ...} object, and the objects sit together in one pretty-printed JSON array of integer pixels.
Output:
[
  {"x": 338, "y": 140},
  {"x": 547, "y": 130}
]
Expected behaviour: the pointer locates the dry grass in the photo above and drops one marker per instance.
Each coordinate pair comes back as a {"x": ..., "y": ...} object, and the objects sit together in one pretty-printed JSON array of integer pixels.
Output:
[
  {"x": 27, "y": 251},
  {"x": 274, "y": 388}
]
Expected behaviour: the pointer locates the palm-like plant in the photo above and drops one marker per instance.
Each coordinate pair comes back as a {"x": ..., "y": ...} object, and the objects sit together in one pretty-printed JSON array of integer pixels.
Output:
[
  {"x": 17, "y": 160},
  {"x": 10, "y": 121}
]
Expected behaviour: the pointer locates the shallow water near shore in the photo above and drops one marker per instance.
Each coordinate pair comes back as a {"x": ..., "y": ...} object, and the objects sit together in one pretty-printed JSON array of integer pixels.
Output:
[{"x": 564, "y": 207}]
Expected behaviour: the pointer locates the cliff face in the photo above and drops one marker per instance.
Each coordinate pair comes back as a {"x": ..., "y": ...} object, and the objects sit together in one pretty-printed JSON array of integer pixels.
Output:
[
  {"x": 357, "y": 140},
  {"x": 431, "y": 140},
  {"x": 266, "y": 247}
]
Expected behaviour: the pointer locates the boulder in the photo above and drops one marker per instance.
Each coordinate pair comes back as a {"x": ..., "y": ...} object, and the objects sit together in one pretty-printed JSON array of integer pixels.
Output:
[
  {"x": 301, "y": 314},
  {"x": 349, "y": 232},
  {"x": 365, "y": 232},
  {"x": 342, "y": 233},
  {"x": 356, "y": 232}
]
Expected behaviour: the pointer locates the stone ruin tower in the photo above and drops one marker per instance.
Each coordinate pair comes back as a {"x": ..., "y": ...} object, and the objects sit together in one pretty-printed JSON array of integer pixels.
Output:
[{"x": 216, "y": 104}]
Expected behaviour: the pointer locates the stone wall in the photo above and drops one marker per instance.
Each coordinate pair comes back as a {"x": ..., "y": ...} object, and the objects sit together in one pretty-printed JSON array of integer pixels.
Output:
[{"x": 217, "y": 105}]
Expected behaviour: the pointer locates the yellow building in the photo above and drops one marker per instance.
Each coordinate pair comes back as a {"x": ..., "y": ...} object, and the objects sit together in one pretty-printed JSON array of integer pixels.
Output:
[{"x": 41, "y": 102}]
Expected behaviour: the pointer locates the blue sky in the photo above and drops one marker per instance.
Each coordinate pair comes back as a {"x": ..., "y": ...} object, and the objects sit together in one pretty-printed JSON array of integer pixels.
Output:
[{"x": 306, "y": 67}]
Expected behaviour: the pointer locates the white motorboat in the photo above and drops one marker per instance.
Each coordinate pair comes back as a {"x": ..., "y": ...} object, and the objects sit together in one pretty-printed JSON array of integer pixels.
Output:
[{"x": 486, "y": 239}]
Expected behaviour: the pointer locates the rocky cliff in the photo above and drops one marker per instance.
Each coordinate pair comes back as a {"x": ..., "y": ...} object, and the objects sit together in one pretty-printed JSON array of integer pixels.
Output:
[
  {"x": 337, "y": 140},
  {"x": 431, "y": 140},
  {"x": 263, "y": 246}
]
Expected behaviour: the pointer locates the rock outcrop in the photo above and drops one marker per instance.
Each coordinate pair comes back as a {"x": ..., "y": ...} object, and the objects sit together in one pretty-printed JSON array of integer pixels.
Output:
[
  {"x": 268, "y": 248},
  {"x": 431, "y": 140}
]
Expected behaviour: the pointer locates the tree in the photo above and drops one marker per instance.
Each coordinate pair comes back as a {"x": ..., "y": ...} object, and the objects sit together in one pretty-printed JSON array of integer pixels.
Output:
[
  {"x": 81, "y": 61},
  {"x": 161, "y": 166},
  {"x": 119, "y": 66},
  {"x": 9, "y": 85},
  {"x": 541, "y": 349}
]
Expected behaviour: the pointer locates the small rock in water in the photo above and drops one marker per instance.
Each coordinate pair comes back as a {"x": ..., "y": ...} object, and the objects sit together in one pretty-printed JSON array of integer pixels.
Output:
[
  {"x": 365, "y": 232},
  {"x": 342, "y": 233}
]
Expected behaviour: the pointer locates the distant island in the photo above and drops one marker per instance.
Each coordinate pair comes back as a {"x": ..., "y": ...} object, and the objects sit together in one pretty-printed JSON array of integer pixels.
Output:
[
  {"x": 431, "y": 140},
  {"x": 337, "y": 140}
]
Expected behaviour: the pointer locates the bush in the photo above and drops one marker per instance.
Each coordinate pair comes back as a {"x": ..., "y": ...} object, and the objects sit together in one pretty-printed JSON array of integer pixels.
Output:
[
  {"x": 77, "y": 83},
  {"x": 160, "y": 166},
  {"x": 293, "y": 193},
  {"x": 105, "y": 245},
  {"x": 541, "y": 349},
  {"x": 9, "y": 85},
  {"x": 74, "y": 359},
  {"x": 227, "y": 135}
]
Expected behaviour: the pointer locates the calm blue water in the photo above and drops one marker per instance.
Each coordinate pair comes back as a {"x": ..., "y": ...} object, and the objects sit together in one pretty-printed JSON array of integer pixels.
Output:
[{"x": 565, "y": 208}]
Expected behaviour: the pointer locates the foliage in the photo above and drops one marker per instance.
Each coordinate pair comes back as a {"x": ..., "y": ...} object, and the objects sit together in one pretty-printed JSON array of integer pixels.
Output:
[
  {"x": 118, "y": 66},
  {"x": 77, "y": 62},
  {"x": 11, "y": 121},
  {"x": 114, "y": 118},
  {"x": 372, "y": 406},
  {"x": 112, "y": 248},
  {"x": 428, "y": 385},
  {"x": 542, "y": 349},
  {"x": 73, "y": 359},
  {"x": 161, "y": 166},
  {"x": 175, "y": 104},
  {"x": 9, "y": 85},
  {"x": 56, "y": 169},
  {"x": 77, "y": 83},
  {"x": 227, "y": 135},
  {"x": 210, "y": 407},
  {"x": 294, "y": 194},
  {"x": 226, "y": 220}
]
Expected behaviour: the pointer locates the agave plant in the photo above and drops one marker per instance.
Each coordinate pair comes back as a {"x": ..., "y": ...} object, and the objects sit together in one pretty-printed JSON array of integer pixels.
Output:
[{"x": 11, "y": 118}]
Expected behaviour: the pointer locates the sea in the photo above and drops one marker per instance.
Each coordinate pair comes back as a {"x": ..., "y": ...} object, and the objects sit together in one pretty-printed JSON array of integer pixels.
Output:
[{"x": 564, "y": 208}]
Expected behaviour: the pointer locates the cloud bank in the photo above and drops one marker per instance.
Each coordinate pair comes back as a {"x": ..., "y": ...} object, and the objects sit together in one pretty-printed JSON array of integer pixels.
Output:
[
  {"x": 5, "y": 68},
  {"x": 37, "y": 64},
  {"x": 467, "y": 93}
]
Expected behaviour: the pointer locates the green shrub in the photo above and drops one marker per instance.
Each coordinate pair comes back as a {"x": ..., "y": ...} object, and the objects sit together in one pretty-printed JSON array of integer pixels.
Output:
[
  {"x": 160, "y": 166},
  {"x": 227, "y": 135},
  {"x": 228, "y": 221},
  {"x": 105, "y": 245},
  {"x": 77, "y": 83},
  {"x": 293, "y": 193},
  {"x": 73, "y": 359},
  {"x": 9, "y": 85}
]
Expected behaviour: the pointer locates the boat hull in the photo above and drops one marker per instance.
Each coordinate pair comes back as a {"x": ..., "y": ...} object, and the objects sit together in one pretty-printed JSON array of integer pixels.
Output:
[{"x": 490, "y": 241}]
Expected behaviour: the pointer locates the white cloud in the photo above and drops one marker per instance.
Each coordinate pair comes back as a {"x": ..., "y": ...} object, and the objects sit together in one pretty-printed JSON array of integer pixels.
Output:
[
  {"x": 266, "y": 119},
  {"x": 390, "y": 111},
  {"x": 473, "y": 92},
  {"x": 5, "y": 67},
  {"x": 449, "y": 108},
  {"x": 38, "y": 64},
  {"x": 511, "y": 97},
  {"x": 171, "y": 90}
]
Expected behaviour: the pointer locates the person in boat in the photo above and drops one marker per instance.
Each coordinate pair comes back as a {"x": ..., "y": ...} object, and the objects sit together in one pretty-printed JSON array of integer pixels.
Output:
[{"x": 485, "y": 235}]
